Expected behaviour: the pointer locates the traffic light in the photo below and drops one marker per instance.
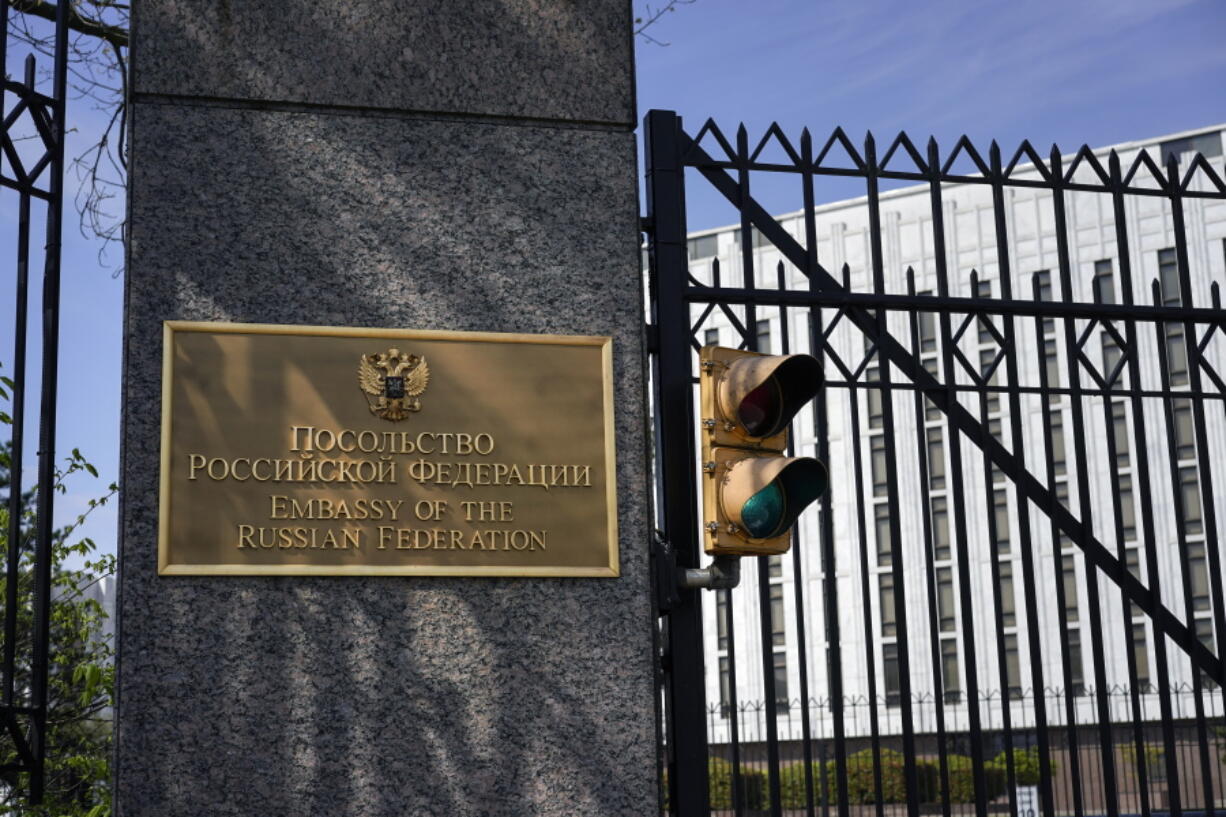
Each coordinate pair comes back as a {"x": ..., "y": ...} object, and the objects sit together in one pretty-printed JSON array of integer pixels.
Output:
[{"x": 752, "y": 493}]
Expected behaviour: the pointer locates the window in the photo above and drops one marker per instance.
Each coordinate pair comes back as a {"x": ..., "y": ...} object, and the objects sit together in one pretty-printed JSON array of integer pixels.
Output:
[
  {"x": 1168, "y": 277},
  {"x": 1111, "y": 359},
  {"x": 721, "y": 618},
  {"x": 1057, "y": 442},
  {"x": 778, "y": 619},
  {"x": 889, "y": 617},
  {"x": 987, "y": 357},
  {"x": 763, "y": 330},
  {"x": 1176, "y": 355},
  {"x": 949, "y": 670},
  {"x": 1044, "y": 278},
  {"x": 1068, "y": 569},
  {"x": 1189, "y": 491},
  {"x": 1051, "y": 363},
  {"x": 1185, "y": 433},
  {"x": 1076, "y": 673},
  {"x": 927, "y": 330},
  {"x": 945, "y": 600},
  {"x": 936, "y": 459},
  {"x": 1013, "y": 670},
  {"x": 1207, "y": 144},
  {"x": 983, "y": 291},
  {"x": 1008, "y": 608},
  {"x": 1000, "y": 516},
  {"x": 891, "y": 674},
  {"x": 1140, "y": 652},
  {"x": 1132, "y": 562},
  {"x": 781, "y": 683},
  {"x": 725, "y": 687},
  {"x": 704, "y": 246},
  {"x": 1198, "y": 575},
  {"x": 875, "y": 412},
  {"x": 774, "y": 567},
  {"x": 876, "y": 447},
  {"x": 1119, "y": 430},
  {"x": 1104, "y": 284},
  {"x": 1128, "y": 511},
  {"x": 940, "y": 529},
  {"x": 881, "y": 522},
  {"x": 1204, "y": 631},
  {"x": 711, "y": 337}
]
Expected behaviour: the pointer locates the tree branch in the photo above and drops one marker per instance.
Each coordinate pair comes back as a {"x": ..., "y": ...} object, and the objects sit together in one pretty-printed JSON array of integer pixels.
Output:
[{"x": 114, "y": 35}]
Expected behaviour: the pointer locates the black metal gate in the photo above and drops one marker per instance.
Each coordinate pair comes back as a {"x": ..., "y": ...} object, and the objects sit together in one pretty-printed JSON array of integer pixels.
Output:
[
  {"x": 32, "y": 167},
  {"x": 979, "y": 432}
]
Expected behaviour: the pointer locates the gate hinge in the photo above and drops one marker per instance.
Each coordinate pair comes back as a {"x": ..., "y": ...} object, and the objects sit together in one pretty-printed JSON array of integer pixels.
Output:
[
  {"x": 665, "y": 564},
  {"x": 653, "y": 338},
  {"x": 647, "y": 224}
]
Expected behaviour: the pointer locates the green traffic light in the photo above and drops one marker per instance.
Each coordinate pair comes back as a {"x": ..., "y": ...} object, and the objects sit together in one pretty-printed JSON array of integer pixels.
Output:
[
  {"x": 774, "y": 508},
  {"x": 762, "y": 511}
]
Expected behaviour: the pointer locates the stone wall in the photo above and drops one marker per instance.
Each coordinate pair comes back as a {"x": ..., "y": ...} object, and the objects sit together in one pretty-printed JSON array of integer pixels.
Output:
[{"x": 464, "y": 166}]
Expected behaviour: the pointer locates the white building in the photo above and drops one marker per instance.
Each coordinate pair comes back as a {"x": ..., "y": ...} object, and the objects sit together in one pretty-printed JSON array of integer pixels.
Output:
[{"x": 843, "y": 233}]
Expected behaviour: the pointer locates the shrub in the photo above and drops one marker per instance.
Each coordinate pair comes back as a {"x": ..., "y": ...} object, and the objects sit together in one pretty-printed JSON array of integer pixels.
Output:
[
  {"x": 793, "y": 791},
  {"x": 1026, "y": 768},
  {"x": 753, "y": 788},
  {"x": 962, "y": 779}
]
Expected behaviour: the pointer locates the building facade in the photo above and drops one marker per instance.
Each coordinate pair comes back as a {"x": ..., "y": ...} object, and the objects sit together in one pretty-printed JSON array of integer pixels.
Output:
[{"x": 1064, "y": 585}]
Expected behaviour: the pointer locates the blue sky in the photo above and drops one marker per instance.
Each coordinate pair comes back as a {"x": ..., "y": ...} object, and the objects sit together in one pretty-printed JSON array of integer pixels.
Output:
[{"x": 1073, "y": 72}]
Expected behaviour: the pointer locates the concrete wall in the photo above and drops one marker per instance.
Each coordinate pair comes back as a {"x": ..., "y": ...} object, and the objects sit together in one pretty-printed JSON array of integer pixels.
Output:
[{"x": 436, "y": 165}]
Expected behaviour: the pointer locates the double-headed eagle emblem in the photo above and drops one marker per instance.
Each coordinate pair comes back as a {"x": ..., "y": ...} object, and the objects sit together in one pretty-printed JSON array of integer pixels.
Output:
[{"x": 396, "y": 379}]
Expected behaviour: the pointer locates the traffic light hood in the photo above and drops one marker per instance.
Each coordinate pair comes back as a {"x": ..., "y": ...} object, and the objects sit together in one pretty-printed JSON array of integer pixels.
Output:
[
  {"x": 765, "y": 495},
  {"x": 763, "y": 393}
]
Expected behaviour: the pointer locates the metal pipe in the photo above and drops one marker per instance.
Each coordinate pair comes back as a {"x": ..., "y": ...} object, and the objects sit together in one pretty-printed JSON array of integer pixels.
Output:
[{"x": 724, "y": 573}]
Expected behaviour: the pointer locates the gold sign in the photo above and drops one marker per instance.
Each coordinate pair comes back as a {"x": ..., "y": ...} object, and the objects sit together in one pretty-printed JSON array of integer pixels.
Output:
[{"x": 294, "y": 450}]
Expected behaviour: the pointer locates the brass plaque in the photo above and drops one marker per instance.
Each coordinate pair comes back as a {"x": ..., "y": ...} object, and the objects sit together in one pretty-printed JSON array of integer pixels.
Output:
[{"x": 294, "y": 450}]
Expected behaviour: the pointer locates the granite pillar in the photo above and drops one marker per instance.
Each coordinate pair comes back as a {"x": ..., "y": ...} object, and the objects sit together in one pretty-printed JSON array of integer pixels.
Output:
[{"x": 386, "y": 163}]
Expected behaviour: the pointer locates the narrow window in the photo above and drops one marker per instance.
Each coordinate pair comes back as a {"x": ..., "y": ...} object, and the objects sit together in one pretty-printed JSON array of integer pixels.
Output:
[
  {"x": 778, "y": 619},
  {"x": 1104, "y": 284},
  {"x": 945, "y": 600},
  {"x": 1119, "y": 430},
  {"x": 876, "y": 413},
  {"x": 1068, "y": 569},
  {"x": 940, "y": 529},
  {"x": 1204, "y": 631},
  {"x": 1189, "y": 489},
  {"x": 711, "y": 338},
  {"x": 1198, "y": 573},
  {"x": 1128, "y": 512},
  {"x": 950, "y": 680},
  {"x": 762, "y": 329},
  {"x": 1008, "y": 608},
  {"x": 721, "y": 618},
  {"x": 1077, "y": 676},
  {"x": 1057, "y": 442},
  {"x": 725, "y": 687},
  {"x": 936, "y": 459},
  {"x": 1140, "y": 652},
  {"x": 876, "y": 446},
  {"x": 983, "y": 291},
  {"x": 1185, "y": 432},
  {"x": 889, "y": 619},
  {"x": 1000, "y": 515},
  {"x": 1168, "y": 276},
  {"x": 892, "y": 676},
  {"x": 782, "y": 701},
  {"x": 1176, "y": 355},
  {"x": 881, "y": 522},
  {"x": 1013, "y": 669}
]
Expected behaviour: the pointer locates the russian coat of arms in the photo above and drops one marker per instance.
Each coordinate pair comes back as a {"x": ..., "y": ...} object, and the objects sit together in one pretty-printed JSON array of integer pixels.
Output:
[{"x": 393, "y": 381}]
